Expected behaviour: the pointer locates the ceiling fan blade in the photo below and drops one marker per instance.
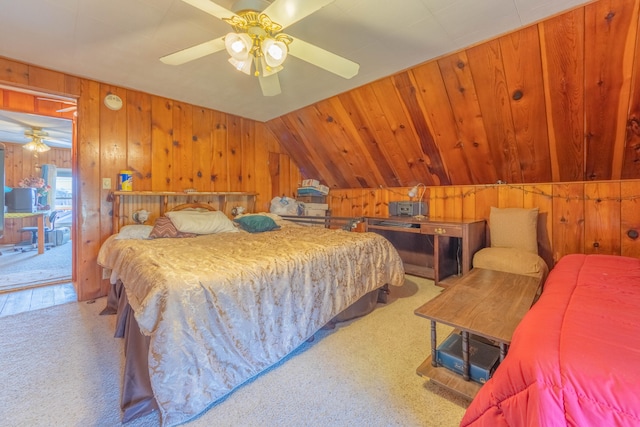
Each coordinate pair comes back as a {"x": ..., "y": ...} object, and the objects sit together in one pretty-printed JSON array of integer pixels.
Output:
[
  {"x": 57, "y": 100},
  {"x": 211, "y": 8},
  {"x": 270, "y": 85},
  {"x": 323, "y": 58},
  {"x": 288, "y": 12},
  {"x": 64, "y": 110},
  {"x": 194, "y": 52}
]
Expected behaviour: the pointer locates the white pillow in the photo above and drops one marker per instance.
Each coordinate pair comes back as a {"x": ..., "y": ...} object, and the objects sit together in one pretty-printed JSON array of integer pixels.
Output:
[
  {"x": 134, "y": 232},
  {"x": 208, "y": 222}
]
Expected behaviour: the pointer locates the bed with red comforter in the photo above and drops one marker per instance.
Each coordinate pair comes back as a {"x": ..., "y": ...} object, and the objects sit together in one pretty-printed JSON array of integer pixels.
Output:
[{"x": 575, "y": 358}]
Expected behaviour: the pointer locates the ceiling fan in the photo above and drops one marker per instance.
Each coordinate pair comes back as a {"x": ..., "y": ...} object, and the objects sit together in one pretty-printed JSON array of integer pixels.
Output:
[
  {"x": 36, "y": 144},
  {"x": 73, "y": 105},
  {"x": 21, "y": 128},
  {"x": 258, "y": 46}
]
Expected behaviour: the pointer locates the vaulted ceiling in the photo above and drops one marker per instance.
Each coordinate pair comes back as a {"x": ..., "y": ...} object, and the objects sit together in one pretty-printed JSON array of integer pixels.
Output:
[
  {"x": 553, "y": 102},
  {"x": 120, "y": 42}
]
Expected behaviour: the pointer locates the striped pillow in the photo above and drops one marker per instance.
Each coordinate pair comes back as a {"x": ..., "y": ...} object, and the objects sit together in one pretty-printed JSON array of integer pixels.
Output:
[{"x": 163, "y": 227}]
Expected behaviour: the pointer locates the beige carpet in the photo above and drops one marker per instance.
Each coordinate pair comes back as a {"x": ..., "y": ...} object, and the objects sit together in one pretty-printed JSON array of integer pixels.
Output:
[
  {"x": 25, "y": 269},
  {"x": 61, "y": 366}
]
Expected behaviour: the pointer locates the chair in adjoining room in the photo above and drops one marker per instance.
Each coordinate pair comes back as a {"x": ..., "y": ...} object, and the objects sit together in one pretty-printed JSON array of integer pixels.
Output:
[{"x": 33, "y": 243}]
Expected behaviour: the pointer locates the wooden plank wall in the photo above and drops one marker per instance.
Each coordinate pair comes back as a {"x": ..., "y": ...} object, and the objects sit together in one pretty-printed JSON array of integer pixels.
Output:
[
  {"x": 19, "y": 164},
  {"x": 169, "y": 145},
  {"x": 577, "y": 217},
  {"x": 557, "y": 101}
]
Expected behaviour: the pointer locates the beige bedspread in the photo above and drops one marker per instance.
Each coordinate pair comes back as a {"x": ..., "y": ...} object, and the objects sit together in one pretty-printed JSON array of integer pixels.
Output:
[{"x": 221, "y": 308}]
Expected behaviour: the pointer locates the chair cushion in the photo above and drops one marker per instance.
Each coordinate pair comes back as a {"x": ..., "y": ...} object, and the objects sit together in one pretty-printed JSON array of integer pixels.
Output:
[
  {"x": 511, "y": 260},
  {"x": 514, "y": 228}
]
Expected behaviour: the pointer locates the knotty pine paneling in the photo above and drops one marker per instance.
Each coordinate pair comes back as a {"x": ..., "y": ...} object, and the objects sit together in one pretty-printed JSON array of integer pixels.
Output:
[
  {"x": 405, "y": 140},
  {"x": 472, "y": 137},
  {"x": 234, "y": 152},
  {"x": 577, "y": 217},
  {"x": 202, "y": 151},
  {"x": 113, "y": 146},
  {"x": 139, "y": 148},
  {"x": 610, "y": 49},
  {"x": 568, "y": 219},
  {"x": 219, "y": 169},
  {"x": 602, "y": 218},
  {"x": 21, "y": 163},
  {"x": 630, "y": 218},
  {"x": 89, "y": 197},
  {"x": 553, "y": 102},
  {"x": 486, "y": 64},
  {"x": 562, "y": 43},
  {"x": 182, "y": 143}
]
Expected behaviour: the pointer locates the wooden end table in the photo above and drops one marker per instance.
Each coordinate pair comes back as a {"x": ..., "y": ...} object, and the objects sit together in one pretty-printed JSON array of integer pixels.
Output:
[{"x": 483, "y": 302}]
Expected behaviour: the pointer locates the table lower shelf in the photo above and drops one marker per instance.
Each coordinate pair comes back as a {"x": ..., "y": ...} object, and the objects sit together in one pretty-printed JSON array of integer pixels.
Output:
[{"x": 448, "y": 379}]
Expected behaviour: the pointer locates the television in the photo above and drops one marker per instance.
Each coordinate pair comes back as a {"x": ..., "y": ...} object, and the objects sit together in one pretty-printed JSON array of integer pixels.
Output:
[{"x": 21, "y": 200}]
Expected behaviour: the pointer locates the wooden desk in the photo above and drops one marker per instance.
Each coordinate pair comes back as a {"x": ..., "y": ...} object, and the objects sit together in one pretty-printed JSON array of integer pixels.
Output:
[
  {"x": 484, "y": 302},
  {"x": 40, "y": 216},
  {"x": 432, "y": 248}
]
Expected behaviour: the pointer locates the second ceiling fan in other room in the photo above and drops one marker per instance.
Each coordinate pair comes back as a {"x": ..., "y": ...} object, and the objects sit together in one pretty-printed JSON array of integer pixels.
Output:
[
  {"x": 72, "y": 105},
  {"x": 258, "y": 46},
  {"x": 37, "y": 136}
]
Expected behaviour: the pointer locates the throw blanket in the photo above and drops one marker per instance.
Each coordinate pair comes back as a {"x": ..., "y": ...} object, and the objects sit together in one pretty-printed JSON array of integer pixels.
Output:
[
  {"x": 574, "y": 357},
  {"x": 221, "y": 308}
]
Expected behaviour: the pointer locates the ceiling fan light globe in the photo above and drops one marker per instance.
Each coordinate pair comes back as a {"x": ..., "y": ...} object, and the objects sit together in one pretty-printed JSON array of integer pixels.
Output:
[
  {"x": 36, "y": 146},
  {"x": 42, "y": 147},
  {"x": 244, "y": 66},
  {"x": 274, "y": 52},
  {"x": 268, "y": 70},
  {"x": 238, "y": 45}
]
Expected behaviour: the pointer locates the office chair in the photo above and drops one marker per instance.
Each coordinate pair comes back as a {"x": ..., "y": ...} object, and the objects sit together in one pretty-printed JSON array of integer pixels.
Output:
[{"x": 34, "y": 234}]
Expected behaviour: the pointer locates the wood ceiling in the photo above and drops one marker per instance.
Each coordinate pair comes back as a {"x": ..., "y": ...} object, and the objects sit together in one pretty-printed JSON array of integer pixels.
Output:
[{"x": 554, "y": 102}]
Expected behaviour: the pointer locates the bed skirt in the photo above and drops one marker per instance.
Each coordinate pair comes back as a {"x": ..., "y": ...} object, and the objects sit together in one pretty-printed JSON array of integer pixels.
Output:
[{"x": 136, "y": 397}]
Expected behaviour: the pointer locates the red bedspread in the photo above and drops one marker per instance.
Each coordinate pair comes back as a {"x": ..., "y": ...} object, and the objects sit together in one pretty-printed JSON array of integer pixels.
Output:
[{"x": 575, "y": 358}]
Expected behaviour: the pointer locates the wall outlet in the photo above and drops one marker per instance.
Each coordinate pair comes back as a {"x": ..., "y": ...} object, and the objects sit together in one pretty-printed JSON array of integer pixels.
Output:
[{"x": 106, "y": 183}]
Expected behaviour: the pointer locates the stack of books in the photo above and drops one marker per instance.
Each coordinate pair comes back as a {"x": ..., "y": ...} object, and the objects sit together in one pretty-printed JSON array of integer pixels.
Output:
[{"x": 312, "y": 187}]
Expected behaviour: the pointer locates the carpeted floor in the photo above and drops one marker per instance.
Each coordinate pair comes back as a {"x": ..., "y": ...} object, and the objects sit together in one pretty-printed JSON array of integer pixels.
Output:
[
  {"x": 62, "y": 366},
  {"x": 24, "y": 269}
]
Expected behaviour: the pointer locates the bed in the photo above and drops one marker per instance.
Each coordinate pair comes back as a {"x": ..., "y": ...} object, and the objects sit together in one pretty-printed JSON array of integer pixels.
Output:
[
  {"x": 204, "y": 313},
  {"x": 574, "y": 357}
]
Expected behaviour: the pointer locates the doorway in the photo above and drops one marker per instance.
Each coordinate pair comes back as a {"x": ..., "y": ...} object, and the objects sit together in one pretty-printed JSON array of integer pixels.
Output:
[{"x": 21, "y": 266}]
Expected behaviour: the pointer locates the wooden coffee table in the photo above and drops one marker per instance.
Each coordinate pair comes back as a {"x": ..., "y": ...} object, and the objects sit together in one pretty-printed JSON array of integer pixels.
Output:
[{"x": 486, "y": 303}]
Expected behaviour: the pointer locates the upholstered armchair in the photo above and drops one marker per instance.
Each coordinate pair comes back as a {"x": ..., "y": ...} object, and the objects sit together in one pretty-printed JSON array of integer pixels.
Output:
[{"x": 514, "y": 243}]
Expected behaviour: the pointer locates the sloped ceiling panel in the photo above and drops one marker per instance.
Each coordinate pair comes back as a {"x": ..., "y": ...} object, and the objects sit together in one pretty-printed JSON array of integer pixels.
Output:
[{"x": 553, "y": 102}]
